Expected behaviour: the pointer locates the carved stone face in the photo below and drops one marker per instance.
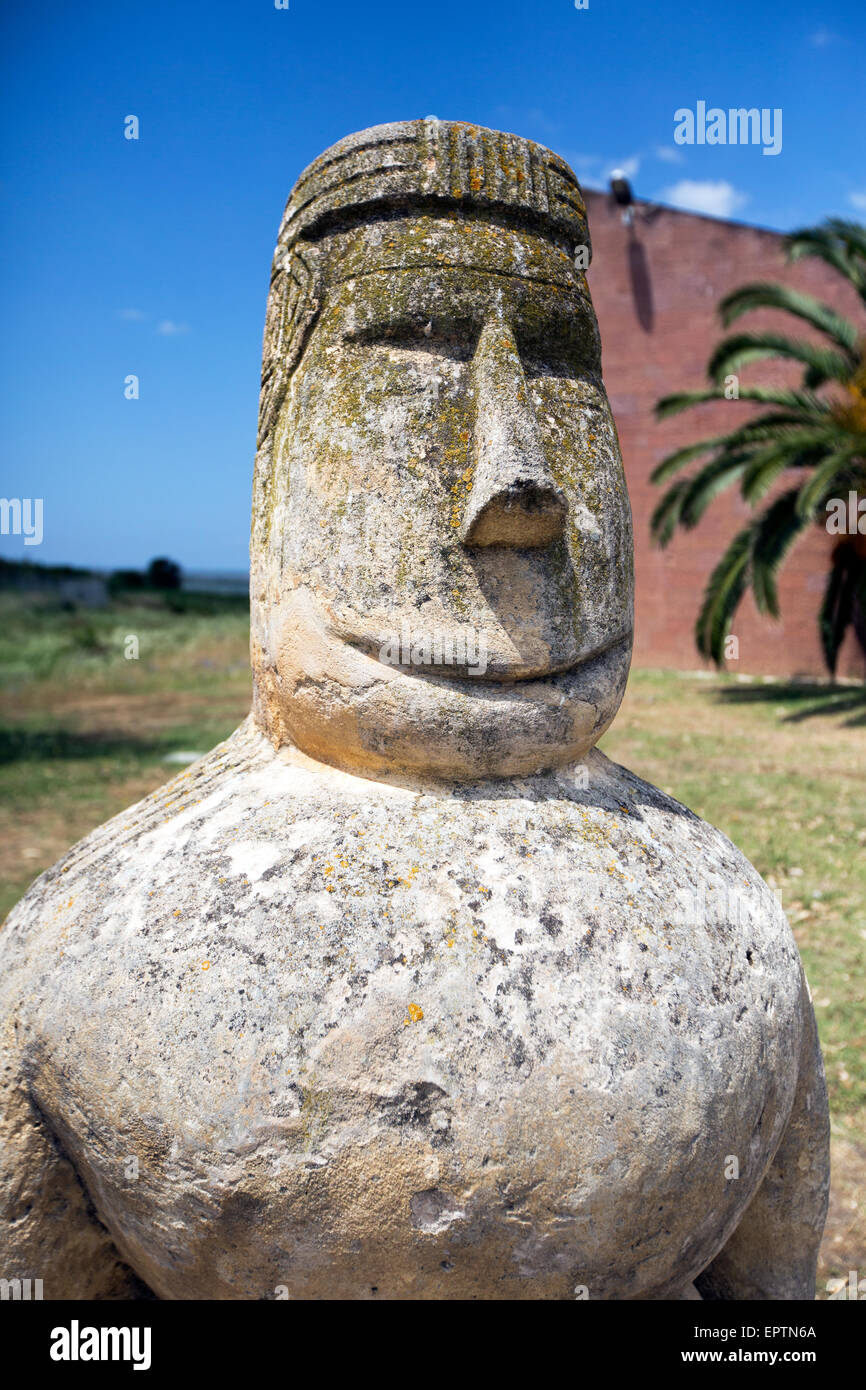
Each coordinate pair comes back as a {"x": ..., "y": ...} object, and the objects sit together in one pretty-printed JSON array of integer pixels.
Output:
[{"x": 447, "y": 585}]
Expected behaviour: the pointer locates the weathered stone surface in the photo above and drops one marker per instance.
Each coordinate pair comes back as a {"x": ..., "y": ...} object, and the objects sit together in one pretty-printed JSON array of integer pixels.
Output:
[
  {"x": 497, "y": 1039},
  {"x": 445, "y": 461},
  {"x": 406, "y": 991}
]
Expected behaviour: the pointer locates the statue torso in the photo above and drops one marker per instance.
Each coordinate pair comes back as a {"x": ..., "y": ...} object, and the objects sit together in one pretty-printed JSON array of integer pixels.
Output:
[{"x": 303, "y": 1031}]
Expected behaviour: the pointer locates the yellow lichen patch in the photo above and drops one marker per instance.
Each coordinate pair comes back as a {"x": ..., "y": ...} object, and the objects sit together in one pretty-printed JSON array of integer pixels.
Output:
[{"x": 415, "y": 1012}]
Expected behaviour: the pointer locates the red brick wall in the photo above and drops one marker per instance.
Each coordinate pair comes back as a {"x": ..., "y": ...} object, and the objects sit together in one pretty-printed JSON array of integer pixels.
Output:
[{"x": 655, "y": 291}]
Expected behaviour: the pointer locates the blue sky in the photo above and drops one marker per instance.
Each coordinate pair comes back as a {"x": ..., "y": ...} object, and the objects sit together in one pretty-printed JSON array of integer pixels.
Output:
[{"x": 152, "y": 256}]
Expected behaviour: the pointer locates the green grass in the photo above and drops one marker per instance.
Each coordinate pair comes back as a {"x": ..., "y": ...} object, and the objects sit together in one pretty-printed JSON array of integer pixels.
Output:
[
  {"x": 84, "y": 731},
  {"x": 42, "y": 640}
]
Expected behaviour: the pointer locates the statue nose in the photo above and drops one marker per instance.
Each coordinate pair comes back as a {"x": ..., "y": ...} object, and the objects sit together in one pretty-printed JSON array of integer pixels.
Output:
[{"x": 514, "y": 500}]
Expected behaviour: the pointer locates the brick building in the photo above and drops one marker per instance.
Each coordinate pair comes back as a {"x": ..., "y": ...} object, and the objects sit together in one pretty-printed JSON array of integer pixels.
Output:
[{"x": 655, "y": 286}]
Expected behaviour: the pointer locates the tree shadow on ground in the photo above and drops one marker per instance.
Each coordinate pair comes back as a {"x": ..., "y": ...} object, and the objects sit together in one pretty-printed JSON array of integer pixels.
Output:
[{"x": 806, "y": 699}]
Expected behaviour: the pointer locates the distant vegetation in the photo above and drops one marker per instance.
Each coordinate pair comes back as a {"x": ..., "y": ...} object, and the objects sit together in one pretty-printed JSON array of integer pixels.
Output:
[
  {"x": 64, "y": 623},
  {"x": 28, "y": 574},
  {"x": 54, "y": 589},
  {"x": 161, "y": 574}
]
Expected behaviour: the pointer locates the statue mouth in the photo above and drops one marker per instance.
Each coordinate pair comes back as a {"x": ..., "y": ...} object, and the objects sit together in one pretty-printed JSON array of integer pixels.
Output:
[
  {"x": 343, "y": 700},
  {"x": 410, "y": 658},
  {"x": 318, "y": 644}
]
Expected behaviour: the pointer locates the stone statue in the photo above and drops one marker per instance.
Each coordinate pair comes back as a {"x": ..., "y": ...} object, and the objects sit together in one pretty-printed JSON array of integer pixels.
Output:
[{"x": 406, "y": 991}]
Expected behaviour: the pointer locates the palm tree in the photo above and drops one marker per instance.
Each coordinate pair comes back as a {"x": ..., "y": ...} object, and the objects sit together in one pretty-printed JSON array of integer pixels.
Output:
[{"x": 819, "y": 430}]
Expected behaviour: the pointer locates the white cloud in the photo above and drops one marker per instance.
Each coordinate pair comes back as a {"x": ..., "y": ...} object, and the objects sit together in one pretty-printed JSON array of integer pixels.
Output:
[
  {"x": 669, "y": 154},
  {"x": 858, "y": 200},
  {"x": 713, "y": 198},
  {"x": 167, "y": 327},
  {"x": 627, "y": 167}
]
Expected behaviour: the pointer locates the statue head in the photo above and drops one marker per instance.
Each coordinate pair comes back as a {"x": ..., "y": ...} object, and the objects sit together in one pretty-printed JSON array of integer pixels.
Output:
[{"x": 441, "y": 546}]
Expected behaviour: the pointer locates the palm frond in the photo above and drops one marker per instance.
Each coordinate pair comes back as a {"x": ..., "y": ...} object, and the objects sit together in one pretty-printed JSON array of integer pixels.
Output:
[
  {"x": 765, "y": 467},
  {"x": 725, "y": 588},
  {"x": 851, "y": 234},
  {"x": 790, "y": 429},
  {"x": 844, "y": 595},
  {"x": 788, "y": 449},
  {"x": 803, "y": 402},
  {"x": 833, "y": 476},
  {"x": 672, "y": 463},
  {"x": 765, "y": 295},
  {"x": 712, "y": 479},
  {"x": 822, "y": 364},
  {"x": 666, "y": 515},
  {"x": 840, "y": 244},
  {"x": 758, "y": 428},
  {"x": 775, "y": 531}
]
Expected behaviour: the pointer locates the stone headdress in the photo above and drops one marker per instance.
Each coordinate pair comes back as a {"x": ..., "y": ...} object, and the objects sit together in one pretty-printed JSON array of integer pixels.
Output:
[{"x": 427, "y": 164}]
